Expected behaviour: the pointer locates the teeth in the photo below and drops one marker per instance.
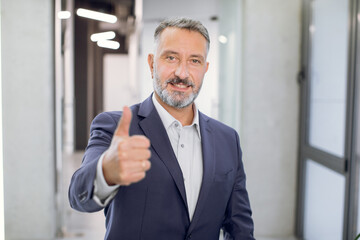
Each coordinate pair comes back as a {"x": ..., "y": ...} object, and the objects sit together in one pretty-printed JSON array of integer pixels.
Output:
[{"x": 180, "y": 85}]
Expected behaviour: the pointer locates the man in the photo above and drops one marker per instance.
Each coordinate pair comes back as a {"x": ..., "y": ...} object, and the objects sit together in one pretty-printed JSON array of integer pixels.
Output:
[{"x": 166, "y": 171}]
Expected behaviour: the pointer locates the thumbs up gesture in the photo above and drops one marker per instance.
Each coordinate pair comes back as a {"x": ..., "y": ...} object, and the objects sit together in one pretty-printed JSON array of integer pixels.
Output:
[{"x": 127, "y": 159}]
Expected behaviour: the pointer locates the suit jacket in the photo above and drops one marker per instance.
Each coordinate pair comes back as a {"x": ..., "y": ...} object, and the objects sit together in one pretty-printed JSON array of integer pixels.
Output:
[{"x": 156, "y": 208}]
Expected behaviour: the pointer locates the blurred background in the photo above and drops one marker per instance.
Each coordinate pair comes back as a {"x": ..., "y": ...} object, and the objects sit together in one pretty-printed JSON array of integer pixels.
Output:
[{"x": 283, "y": 73}]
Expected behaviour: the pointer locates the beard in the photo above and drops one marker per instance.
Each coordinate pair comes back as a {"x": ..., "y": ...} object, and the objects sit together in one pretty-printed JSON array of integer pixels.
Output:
[{"x": 175, "y": 99}]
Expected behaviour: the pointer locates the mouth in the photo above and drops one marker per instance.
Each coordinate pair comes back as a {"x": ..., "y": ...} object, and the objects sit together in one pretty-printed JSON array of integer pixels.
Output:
[{"x": 180, "y": 84}]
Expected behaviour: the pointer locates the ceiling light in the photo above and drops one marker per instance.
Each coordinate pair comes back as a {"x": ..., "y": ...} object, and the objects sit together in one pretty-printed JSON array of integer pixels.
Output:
[
  {"x": 222, "y": 39},
  {"x": 96, "y": 15},
  {"x": 102, "y": 36},
  {"x": 108, "y": 44},
  {"x": 64, "y": 14}
]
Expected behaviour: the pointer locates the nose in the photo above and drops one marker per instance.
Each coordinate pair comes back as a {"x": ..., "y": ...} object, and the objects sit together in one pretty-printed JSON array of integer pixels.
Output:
[{"x": 182, "y": 70}]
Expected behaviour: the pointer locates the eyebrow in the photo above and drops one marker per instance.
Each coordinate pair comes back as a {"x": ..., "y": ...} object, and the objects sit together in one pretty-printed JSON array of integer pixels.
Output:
[
  {"x": 169, "y": 52},
  {"x": 197, "y": 56}
]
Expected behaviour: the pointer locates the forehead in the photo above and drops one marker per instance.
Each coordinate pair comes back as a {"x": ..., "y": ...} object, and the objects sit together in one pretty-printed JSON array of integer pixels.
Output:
[{"x": 178, "y": 39}]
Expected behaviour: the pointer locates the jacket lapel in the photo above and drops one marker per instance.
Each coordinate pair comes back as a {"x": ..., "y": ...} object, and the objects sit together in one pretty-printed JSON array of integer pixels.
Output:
[
  {"x": 154, "y": 130},
  {"x": 208, "y": 146}
]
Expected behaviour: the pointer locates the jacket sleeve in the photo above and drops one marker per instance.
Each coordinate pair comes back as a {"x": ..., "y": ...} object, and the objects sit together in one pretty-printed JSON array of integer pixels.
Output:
[
  {"x": 82, "y": 182},
  {"x": 238, "y": 223}
]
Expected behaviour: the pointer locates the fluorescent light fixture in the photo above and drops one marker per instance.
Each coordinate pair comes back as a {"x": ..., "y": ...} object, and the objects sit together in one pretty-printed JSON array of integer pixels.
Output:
[
  {"x": 96, "y": 15},
  {"x": 64, "y": 14},
  {"x": 108, "y": 44},
  {"x": 102, "y": 36},
  {"x": 222, "y": 39}
]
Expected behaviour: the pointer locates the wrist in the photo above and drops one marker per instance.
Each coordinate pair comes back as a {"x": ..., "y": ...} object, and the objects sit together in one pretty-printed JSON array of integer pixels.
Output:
[{"x": 106, "y": 170}]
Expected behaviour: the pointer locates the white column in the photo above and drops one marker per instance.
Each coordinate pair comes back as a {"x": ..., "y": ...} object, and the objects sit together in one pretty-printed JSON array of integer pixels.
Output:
[
  {"x": 2, "y": 223},
  {"x": 270, "y": 112},
  {"x": 28, "y": 118}
]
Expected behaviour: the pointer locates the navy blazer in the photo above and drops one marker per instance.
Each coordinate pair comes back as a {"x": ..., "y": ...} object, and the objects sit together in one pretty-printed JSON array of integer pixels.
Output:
[{"x": 156, "y": 208}]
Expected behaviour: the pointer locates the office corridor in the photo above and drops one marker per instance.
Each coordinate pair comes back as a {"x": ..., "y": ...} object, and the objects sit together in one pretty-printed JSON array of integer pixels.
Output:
[{"x": 284, "y": 74}]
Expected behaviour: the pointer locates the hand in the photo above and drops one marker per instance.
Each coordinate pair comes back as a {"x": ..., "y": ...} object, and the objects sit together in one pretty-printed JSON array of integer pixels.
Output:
[{"x": 127, "y": 159}]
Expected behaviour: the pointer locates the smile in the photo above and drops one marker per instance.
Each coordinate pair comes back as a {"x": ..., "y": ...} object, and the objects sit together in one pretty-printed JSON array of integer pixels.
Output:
[{"x": 179, "y": 85}]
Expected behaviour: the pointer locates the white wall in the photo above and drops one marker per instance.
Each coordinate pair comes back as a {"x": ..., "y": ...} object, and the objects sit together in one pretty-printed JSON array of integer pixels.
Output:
[
  {"x": 118, "y": 88},
  {"x": 2, "y": 218},
  {"x": 28, "y": 122},
  {"x": 230, "y": 63},
  {"x": 270, "y": 112}
]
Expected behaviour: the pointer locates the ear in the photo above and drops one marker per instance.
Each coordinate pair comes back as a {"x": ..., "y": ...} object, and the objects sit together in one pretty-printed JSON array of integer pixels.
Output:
[
  {"x": 207, "y": 66},
  {"x": 151, "y": 64}
]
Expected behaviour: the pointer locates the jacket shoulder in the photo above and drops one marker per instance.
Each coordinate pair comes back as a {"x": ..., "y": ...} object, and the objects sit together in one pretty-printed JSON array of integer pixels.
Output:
[{"x": 216, "y": 125}]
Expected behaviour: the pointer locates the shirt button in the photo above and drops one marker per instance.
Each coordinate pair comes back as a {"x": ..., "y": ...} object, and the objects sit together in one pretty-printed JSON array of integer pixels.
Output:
[
  {"x": 176, "y": 125},
  {"x": 182, "y": 145}
]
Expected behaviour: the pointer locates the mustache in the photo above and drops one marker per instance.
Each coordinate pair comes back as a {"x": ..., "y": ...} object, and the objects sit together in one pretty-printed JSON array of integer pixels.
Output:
[{"x": 178, "y": 80}]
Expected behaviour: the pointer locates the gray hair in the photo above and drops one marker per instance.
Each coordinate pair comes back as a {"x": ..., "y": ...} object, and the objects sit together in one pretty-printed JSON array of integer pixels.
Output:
[{"x": 182, "y": 23}]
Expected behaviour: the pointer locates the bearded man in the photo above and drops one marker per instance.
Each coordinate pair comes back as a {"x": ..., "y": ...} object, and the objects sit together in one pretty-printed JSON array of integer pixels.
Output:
[{"x": 162, "y": 170}]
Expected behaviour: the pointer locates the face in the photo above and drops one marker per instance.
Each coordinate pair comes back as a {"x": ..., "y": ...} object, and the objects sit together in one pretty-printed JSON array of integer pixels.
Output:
[{"x": 178, "y": 66}]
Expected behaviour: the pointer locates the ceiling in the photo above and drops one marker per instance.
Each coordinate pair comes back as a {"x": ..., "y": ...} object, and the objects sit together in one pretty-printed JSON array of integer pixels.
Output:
[{"x": 121, "y": 8}]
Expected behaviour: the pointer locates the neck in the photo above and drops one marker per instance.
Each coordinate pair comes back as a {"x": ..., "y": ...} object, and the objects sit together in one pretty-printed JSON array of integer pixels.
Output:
[{"x": 184, "y": 115}]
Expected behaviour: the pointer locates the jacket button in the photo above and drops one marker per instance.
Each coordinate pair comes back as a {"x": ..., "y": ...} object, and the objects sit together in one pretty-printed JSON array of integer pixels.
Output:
[
  {"x": 82, "y": 196},
  {"x": 189, "y": 237}
]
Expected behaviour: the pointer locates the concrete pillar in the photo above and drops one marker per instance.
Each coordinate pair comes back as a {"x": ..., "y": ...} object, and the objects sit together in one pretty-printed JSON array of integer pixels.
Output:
[
  {"x": 270, "y": 112},
  {"x": 28, "y": 118}
]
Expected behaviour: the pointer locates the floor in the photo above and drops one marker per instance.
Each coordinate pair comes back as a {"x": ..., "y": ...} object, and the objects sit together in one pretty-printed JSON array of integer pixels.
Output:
[
  {"x": 87, "y": 226},
  {"x": 77, "y": 225}
]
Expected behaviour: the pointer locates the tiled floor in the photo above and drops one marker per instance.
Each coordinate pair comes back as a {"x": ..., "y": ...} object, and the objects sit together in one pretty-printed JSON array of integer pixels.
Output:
[
  {"x": 78, "y": 225},
  {"x": 88, "y": 226}
]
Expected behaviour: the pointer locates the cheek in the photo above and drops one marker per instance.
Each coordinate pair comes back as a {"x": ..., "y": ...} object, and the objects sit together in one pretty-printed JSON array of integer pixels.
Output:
[
  {"x": 198, "y": 76},
  {"x": 165, "y": 72}
]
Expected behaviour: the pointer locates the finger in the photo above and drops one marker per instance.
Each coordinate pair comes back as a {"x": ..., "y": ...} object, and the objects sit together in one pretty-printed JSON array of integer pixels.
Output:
[
  {"x": 133, "y": 167},
  {"x": 135, "y": 177},
  {"x": 137, "y": 141},
  {"x": 146, "y": 164},
  {"x": 134, "y": 155},
  {"x": 123, "y": 127}
]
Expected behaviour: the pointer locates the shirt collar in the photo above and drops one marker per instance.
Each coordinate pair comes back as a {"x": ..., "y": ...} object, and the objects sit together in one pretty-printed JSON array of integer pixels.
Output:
[{"x": 167, "y": 119}]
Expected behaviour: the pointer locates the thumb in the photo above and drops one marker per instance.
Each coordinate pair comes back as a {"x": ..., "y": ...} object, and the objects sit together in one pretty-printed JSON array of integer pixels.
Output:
[{"x": 123, "y": 127}]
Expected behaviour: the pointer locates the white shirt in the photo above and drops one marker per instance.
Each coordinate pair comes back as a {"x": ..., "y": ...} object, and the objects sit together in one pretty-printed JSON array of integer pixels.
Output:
[{"x": 186, "y": 144}]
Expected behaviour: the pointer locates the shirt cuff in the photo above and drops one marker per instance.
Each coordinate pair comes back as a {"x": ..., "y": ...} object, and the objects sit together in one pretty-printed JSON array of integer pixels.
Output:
[{"x": 103, "y": 193}]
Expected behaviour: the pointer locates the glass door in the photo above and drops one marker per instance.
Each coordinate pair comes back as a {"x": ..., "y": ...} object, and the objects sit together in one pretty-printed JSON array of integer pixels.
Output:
[{"x": 326, "y": 186}]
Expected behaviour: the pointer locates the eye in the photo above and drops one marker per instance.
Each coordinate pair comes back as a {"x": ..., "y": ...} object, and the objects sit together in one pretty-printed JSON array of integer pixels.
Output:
[
  {"x": 196, "y": 61},
  {"x": 171, "y": 58}
]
